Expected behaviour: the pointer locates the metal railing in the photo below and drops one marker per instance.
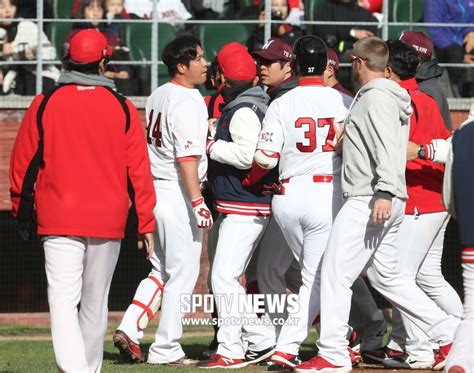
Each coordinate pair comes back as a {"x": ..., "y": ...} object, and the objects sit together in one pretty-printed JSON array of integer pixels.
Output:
[{"x": 155, "y": 22}]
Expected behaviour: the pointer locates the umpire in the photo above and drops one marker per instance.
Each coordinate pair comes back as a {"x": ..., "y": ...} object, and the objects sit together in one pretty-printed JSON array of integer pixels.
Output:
[{"x": 78, "y": 148}]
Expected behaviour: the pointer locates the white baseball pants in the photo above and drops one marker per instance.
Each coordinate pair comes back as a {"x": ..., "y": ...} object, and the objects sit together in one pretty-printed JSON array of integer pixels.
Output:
[
  {"x": 305, "y": 214},
  {"x": 238, "y": 238},
  {"x": 420, "y": 248},
  {"x": 355, "y": 245},
  {"x": 462, "y": 352},
  {"x": 176, "y": 261},
  {"x": 79, "y": 271}
]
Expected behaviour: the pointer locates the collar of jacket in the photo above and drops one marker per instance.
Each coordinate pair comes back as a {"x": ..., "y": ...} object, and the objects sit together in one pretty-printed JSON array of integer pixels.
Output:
[{"x": 74, "y": 77}]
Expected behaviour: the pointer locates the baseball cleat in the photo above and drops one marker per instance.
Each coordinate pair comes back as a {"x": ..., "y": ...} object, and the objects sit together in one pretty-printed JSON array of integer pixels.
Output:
[
  {"x": 129, "y": 350},
  {"x": 254, "y": 357},
  {"x": 221, "y": 362},
  {"x": 355, "y": 356},
  {"x": 406, "y": 362},
  {"x": 441, "y": 356},
  {"x": 380, "y": 355},
  {"x": 318, "y": 364},
  {"x": 285, "y": 360}
]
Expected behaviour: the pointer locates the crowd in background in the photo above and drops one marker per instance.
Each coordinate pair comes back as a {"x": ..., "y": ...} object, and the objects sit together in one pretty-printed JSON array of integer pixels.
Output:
[{"x": 18, "y": 40}]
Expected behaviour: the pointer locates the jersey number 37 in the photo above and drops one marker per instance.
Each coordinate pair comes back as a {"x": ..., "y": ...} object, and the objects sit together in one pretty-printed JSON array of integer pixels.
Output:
[{"x": 311, "y": 134}]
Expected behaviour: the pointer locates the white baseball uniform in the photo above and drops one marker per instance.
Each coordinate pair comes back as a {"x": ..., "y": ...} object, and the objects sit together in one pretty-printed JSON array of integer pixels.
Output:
[
  {"x": 177, "y": 128},
  {"x": 299, "y": 125}
]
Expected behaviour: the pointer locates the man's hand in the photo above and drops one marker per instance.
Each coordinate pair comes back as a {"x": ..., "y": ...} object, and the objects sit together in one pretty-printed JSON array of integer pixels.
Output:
[
  {"x": 381, "y": 211},
  {"x": 148, "y": 241},
  {"x": 339, "y": 136},
  {"x": 412, "y": 151},
  {"x": 211, "y": 126},
  {"x": 202, "y": 213},
  {"x": 469, "y": 41},
  {"x": 468, "y": 58}
]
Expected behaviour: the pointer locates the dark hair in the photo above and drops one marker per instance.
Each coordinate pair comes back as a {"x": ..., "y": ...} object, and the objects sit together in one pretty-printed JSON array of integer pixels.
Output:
[
  {"x": 80, "y": 13},
  {"x": 181, "y": 50},
  {"x": 403, "y": 59},
  {"x": 91, "y": 68}
]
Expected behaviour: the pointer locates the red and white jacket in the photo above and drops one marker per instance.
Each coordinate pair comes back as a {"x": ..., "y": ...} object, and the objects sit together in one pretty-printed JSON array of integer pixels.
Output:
[
  {"x": 424, "y": 178},
  {"x": 76, "y": 151}
]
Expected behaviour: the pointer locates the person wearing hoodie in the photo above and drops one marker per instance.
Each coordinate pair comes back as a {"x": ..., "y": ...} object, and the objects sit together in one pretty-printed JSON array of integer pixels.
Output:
[
  {"x": 76, "y": 188},
  {"x": 364, "y": 233},
  {"x": 421, "y": 235},
  {"x": 244, "y": 213},
  {"x": 429, "y": 73}
]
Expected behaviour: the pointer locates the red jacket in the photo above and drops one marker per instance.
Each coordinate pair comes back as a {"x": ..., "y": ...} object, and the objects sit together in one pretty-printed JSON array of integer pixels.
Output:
[
  {"x": 424, "y": 178},
  {"x": 88, "y": 154}
]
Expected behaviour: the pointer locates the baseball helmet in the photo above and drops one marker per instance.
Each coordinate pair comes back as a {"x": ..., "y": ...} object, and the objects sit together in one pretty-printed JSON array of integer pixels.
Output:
[{"x": 311, "y": 55}]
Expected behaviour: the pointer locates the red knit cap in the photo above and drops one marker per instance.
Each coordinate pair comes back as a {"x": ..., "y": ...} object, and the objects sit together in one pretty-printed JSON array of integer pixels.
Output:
[
  {"x": 239, "y": 66},
  {"x": 88, "y": 46},
  {"x": 228, "y": 50}
]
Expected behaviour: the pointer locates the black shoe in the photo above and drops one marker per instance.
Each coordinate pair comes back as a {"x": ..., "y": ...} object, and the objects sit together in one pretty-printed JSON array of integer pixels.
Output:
[{"x": 254, "y": 357}]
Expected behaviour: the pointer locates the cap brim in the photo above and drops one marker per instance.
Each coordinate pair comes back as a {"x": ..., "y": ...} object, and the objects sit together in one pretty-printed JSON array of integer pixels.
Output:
[{"x": 267, "y": 55}]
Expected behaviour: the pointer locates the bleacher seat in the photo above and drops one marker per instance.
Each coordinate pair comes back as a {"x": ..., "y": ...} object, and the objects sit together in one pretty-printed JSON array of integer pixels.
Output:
[
  {"x": 214, "y": 36},
  {"x": 138, "y": 39},
  {"x": 62, "y": 8}
]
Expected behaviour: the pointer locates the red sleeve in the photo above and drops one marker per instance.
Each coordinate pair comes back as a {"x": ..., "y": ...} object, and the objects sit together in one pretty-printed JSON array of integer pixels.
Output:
[
  {"x": 22, "y": 159},
  {"x": 139, "y": 171}
]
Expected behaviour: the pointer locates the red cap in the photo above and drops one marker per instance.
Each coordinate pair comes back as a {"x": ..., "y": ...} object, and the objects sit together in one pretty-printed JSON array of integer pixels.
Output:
[
  {"x": 374, "y": 5},
  {"x": 240, "y": 66},
  {"x": 418, "y": 40},
  {"x": 88, "y": 46},
  {"x": 228, "y": 50},
  {"x": 333, "y": 59},
  {"x": 276, "y": 49}
]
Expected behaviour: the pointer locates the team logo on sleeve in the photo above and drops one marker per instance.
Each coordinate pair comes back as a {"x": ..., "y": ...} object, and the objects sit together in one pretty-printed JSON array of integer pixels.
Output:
[
  {"x": 189, "y": 144},
  {"x": 266, "y": 136}
]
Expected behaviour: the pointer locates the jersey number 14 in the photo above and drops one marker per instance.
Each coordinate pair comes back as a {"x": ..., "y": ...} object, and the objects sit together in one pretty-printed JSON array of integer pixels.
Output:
[
  {"x": 310, "y": 134},
  {"x": 153, "y": 130}
]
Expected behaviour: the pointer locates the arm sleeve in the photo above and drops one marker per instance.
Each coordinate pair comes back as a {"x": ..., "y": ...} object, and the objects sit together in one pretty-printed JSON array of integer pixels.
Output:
[
  {"x": 187, "y": 134},
  {"x": 381, "y": 139},
  {"x": 24, "y": 162},
  {"x": 244, "y": 128},
  {"x": 271, "y": 137},
  {"x": 139, "y": 172}
]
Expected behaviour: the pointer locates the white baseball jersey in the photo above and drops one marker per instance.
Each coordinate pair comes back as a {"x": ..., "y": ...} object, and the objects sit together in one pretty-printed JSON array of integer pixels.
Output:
[
  {"x": 176, "y": 127},
  {"x": 299, "y": 124}
]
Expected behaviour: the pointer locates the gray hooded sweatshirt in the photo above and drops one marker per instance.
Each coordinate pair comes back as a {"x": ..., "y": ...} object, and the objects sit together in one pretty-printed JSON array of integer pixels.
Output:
[{"x": 375, "y": 143}]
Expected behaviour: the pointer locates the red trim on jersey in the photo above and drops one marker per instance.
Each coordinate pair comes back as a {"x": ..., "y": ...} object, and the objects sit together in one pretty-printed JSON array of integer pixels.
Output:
[
  {"x": 244, "y": 208},
  {"x": 187, "y": 159},
  {"x": 270, "y": 154},
  {"x": 467, "y": 255},
  {"x": 310, "y": 81}
]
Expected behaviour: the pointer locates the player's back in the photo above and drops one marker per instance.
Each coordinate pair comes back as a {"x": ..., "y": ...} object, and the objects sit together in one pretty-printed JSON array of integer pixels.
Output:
[
  {"x": 307, "y": 115},
  {"x": 176, "y": 126}
]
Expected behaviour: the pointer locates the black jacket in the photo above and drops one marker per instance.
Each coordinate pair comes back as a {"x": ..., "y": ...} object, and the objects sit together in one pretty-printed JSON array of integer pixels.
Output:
[{"x": 427, "y": 77}]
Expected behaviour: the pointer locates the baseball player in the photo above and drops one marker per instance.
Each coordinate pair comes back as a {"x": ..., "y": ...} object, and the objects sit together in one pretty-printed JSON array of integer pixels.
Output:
[
  {"x": 75, "y": 150},
  {"x": 421, "y": 235},
  {"x": 363, "y": 236},
  {"x": 331, "y": 72},
  {"x": 459, "y": 184},
  {"x": 245, "y": 213},
  {"x": 176, "y": 134},
  {"x": 299, "y": 128}
]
